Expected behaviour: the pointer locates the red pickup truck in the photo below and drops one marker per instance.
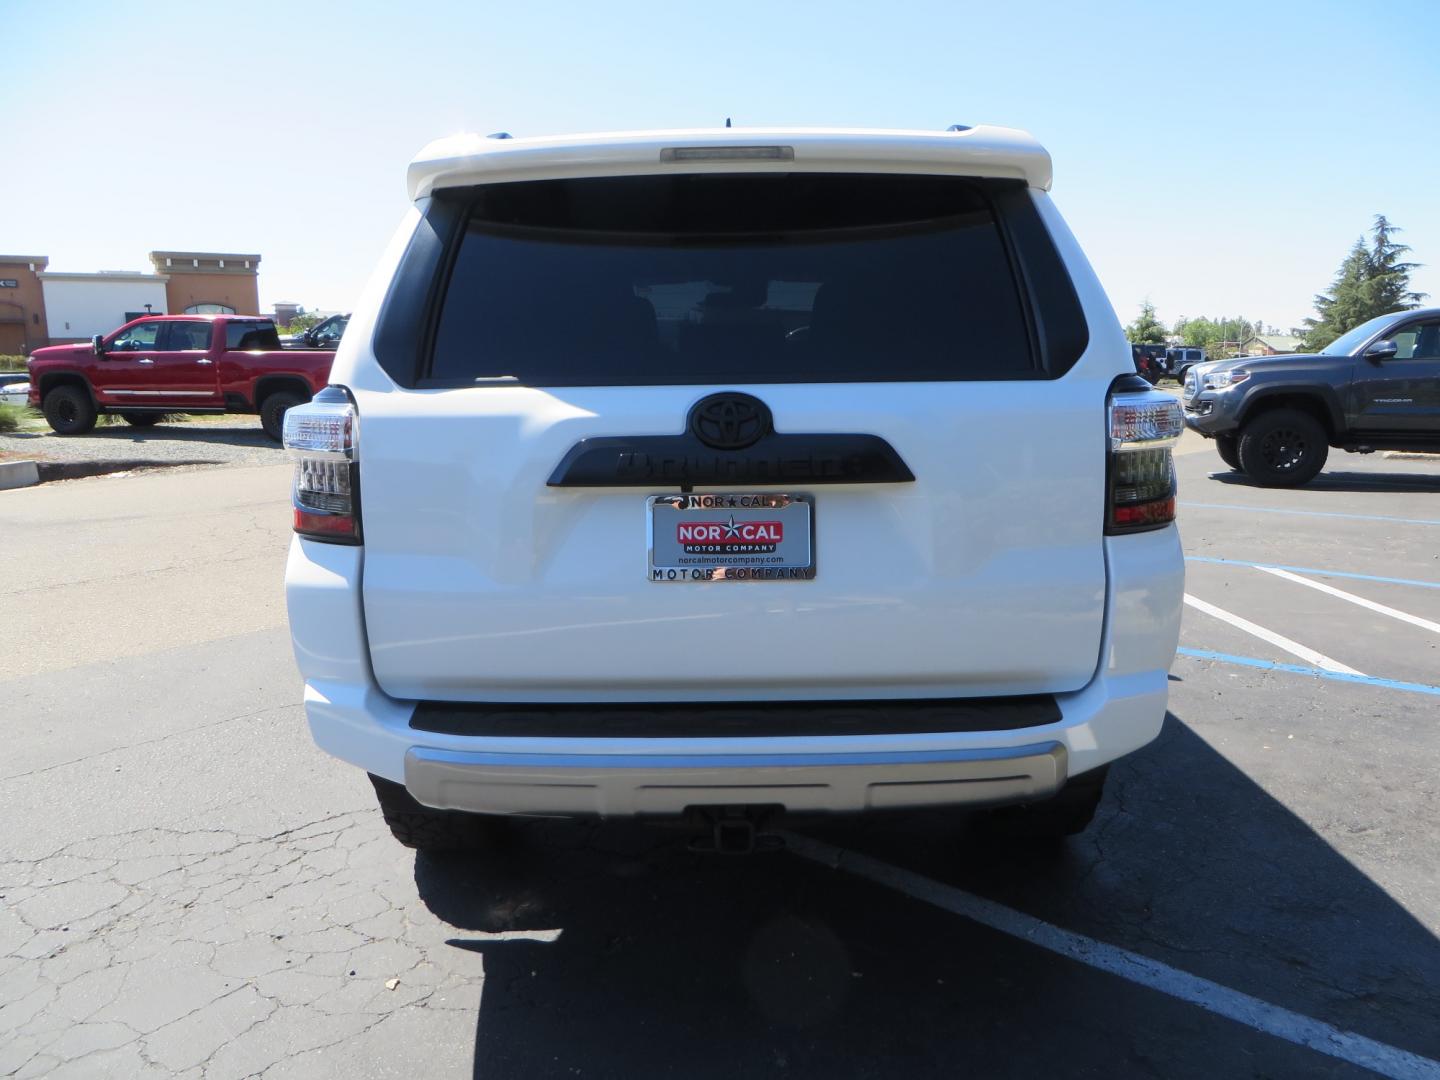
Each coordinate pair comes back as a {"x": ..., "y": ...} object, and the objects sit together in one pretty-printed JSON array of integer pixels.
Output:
[{"x": 176, "y": 364}]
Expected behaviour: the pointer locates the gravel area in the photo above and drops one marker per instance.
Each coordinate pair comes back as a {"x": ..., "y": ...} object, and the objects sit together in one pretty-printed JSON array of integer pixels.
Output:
[{"x": 223, "y": 440}]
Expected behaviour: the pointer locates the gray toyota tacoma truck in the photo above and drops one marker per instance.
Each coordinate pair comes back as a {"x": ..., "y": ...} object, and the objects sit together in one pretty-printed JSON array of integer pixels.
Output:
[{"x": 1274, "y": 418}]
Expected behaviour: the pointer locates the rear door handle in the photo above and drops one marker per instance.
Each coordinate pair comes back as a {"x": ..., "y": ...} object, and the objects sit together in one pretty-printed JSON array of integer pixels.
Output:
[
  {"x": 145, "y": 360},
  {"x": 202, "y": 361}
]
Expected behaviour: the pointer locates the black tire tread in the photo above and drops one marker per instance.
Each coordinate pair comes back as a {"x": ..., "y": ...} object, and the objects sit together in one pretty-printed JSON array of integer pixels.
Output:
[
  {"x": 426, "y": 829},
  {"x": 272, "y": 412},
  {"x": 85, "y": 409},
  {"x": 1065, "y": 814},
  {"x": 1228, "y": 447},
  {"x": 1253, "y": 434}
]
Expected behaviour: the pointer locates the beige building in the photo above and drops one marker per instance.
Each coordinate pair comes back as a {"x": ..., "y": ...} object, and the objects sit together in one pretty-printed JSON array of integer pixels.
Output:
[
  {"x": 22, "y": 304},
  {"x": 79, "y": 305},
  {"x": 209, "y": 283},
  {"x": 1270, "y": 345}
]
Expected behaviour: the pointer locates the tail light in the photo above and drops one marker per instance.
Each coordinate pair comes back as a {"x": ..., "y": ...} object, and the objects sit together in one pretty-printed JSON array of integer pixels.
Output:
[
  {"x": 1140, "y": 475},
  {"x": 322, "y": 437}
]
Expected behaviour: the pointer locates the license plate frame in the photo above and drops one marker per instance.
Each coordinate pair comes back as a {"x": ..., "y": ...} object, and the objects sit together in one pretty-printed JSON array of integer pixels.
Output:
[{"x": 763, "y": 536}]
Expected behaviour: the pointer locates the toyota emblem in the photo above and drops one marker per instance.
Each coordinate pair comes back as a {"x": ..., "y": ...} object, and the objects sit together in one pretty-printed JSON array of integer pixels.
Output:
[{"x": 730, "y": 421}]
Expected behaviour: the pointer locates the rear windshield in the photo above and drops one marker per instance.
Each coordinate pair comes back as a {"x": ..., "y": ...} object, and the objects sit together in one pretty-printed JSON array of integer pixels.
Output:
[
  {"x": 252, "y": 335},
  {"x": 707, "y": 279}
]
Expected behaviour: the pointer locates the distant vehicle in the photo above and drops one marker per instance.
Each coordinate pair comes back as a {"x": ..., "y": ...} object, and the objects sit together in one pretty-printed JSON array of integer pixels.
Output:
[
  {"x": 14, "y": 393},
  {"x": 1181, "y": 359},
  {"x": 175, "y": 364},
  {"x": 323, "y": 335},
  {"x": 1274, "y": 418},
  {"x": 1149, "y": 362},
  {"x": 665, "y": 486}
]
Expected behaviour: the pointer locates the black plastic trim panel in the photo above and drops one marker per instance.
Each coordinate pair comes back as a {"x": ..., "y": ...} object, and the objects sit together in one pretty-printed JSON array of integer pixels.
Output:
[
  {"x": 702, "y": 720},
  {"x": 644, "y": 460}
]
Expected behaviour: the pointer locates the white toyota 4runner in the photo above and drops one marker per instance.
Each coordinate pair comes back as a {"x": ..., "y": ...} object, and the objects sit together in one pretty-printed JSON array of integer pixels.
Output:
[{"x": 724, "y": 473}]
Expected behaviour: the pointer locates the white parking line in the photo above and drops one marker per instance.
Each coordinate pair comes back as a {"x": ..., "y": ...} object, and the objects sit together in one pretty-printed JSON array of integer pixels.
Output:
[
  {"x": 1254, "y": 1013},
  {"x": 1403, "y": 616},
  {"x": 1280, "y": 641}
]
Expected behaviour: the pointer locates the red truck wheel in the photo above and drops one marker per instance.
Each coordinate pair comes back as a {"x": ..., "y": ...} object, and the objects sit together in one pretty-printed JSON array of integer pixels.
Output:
[
  {"x": 272, "y": 413},
  {"x": 69, "y": 410}
]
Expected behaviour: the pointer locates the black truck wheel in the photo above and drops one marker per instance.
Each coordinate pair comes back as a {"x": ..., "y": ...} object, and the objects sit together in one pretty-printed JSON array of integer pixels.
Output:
[
  {"x": 1228, "y": 447},
  {"x": 1283, "y": 448},
  {"x": 1065, "y": 814},
  {"x": 69, "y": 410},
  {"x": 426, "y": 829},
  {"x": 272, "y": 412}
]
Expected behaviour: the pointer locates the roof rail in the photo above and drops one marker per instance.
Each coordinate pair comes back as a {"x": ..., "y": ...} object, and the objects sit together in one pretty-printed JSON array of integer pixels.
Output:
[{"x": 958, "y": 127}]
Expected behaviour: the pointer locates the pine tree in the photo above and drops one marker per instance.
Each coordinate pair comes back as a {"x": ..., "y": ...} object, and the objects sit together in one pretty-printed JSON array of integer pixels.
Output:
[
  {"x": 1146, "y": 329},
  {"x": 1372, "y": 281},
  {"x": 1389, "y": 288}
]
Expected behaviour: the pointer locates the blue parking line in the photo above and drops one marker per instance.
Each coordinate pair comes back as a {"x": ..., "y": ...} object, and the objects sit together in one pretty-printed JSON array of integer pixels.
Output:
[
  {"x": 1297, "y": 669},
  {"x": 1310, "y": 513},
  {"x": 1316, "y": 570}
]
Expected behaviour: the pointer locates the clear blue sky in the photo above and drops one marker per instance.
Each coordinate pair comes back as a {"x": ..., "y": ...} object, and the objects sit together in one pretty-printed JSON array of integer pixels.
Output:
[{"x": 1217, "y": 157}]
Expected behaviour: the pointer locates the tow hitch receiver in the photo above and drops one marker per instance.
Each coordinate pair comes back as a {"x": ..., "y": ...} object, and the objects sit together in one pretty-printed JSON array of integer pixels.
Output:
[{"x": 734, "y": 830}]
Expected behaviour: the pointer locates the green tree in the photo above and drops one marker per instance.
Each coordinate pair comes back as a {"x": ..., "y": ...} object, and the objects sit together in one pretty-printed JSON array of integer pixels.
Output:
[
  {"x": 1218, "y": 337},
  {"x": 1372, "y": 281},
  {"x": 1389, "y": 286},
  {"x": 304, "y": 321},
  {"x": 1146, "y": 329}
]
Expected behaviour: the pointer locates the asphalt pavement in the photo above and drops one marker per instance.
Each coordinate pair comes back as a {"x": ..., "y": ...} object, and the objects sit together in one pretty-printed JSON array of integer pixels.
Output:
[{"x": 189, "y": 888}]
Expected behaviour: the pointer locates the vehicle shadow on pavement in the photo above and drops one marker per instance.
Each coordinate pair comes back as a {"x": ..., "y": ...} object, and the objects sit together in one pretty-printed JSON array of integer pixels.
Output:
[
  {"x": 1350, "y": 481},
  {"x": 238, "y": 435},
  {"x": 670, "y": 963}
]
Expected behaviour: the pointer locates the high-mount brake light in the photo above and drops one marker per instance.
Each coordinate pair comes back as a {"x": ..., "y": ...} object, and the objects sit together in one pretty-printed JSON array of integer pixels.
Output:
[
  {"x": 322, "y": 437},
  {"x": 1140, "y": 475},
  {"x": 727, "y": 153}
]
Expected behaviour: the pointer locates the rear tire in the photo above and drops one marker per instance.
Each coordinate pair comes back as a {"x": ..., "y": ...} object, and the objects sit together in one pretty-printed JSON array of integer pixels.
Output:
[
  {"x": 426, "y": 829},
  {"x": 69, "y": 410},
  {"x": 1066, "y": 814},
  {"x": 1283, "y": 448},
  {"x": 1228, "y": 446},
  {"x": 272, "y": 412},
  {"x": 141, "y": 419}
]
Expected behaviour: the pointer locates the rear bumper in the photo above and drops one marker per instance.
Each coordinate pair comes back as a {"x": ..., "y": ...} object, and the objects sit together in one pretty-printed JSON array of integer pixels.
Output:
[
  {"x": 635, "y": 776},
  {"x": 1119, "y": 711},
  {"x": 643, "y": 784}
]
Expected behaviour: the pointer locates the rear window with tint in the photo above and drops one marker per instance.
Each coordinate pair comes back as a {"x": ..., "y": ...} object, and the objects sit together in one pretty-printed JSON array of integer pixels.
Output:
[
  {"x": 706, "y": 279},
  {"x": 251, "y": 335}
]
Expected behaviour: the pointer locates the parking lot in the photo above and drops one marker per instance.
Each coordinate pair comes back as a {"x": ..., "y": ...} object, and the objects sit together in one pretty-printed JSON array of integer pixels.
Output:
[{"x": 189, "y": 888}]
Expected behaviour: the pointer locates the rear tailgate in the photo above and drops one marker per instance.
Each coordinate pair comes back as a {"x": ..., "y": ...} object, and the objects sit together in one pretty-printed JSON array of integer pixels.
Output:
[
  {"x": 983, "y": 576},
  {"x": 912, "y": 309}
]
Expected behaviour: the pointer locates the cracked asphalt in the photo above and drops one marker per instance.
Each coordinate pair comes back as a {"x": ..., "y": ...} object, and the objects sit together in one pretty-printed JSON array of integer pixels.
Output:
[{"x": 189, "y": 888}]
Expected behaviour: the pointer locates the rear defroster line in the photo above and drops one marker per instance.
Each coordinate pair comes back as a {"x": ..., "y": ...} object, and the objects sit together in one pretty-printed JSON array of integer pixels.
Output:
[{"x": 1300, "y": 669}]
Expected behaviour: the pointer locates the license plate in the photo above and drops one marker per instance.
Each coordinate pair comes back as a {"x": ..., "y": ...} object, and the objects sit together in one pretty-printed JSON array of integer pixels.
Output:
[{"x": 735, "y": 537}]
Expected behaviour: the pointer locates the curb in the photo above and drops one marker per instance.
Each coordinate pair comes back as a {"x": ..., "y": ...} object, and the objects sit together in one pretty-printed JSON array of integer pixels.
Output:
[
  {"x": 1404, "y": 455},
  {"x": 18, "y": 474}
]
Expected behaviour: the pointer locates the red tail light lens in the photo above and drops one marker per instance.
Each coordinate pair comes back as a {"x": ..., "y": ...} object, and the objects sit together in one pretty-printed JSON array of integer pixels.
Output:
[
  {"x": 1140, "y": 477},
  {"x": 322, "y": 437}
]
